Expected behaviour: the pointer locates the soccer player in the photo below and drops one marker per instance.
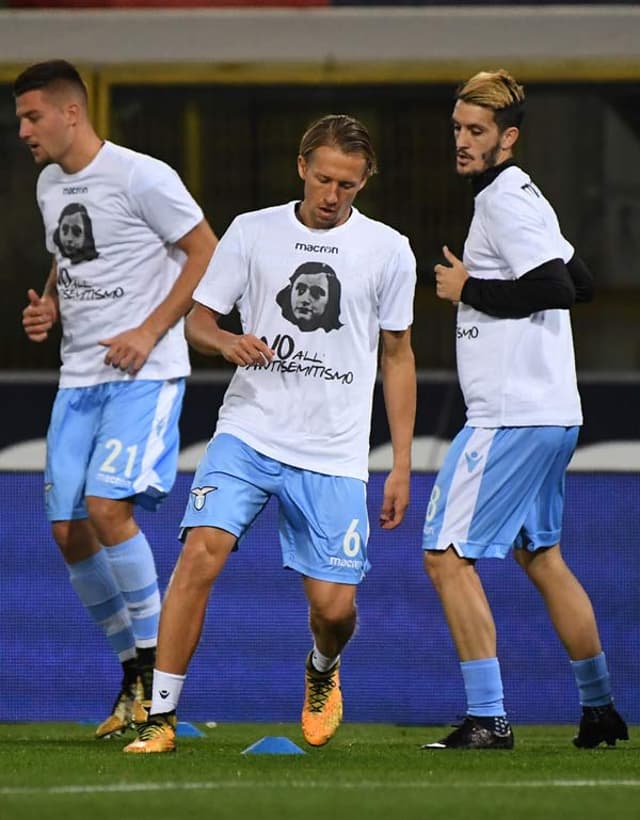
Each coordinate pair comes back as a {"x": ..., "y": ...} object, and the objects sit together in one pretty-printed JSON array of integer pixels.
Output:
[
  {"x": 129, "y": 245},
  {"x": 295, "y": 419},
  {"x": 502, "y": 481}
]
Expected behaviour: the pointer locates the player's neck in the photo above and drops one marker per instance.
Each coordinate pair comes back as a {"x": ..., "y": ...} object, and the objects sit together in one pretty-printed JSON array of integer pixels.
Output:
[
  {"x": 481, "y": 181},
  {"x": 82, "y": 153}
]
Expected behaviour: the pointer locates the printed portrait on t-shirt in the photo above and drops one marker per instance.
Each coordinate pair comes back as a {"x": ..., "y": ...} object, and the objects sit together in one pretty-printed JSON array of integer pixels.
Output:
[
  {"x": 74, "y": 234},
  {"x": 311, "y": 300}
]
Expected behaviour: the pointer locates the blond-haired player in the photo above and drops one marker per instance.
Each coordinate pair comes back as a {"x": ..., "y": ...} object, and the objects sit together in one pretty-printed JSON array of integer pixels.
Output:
[{"x": 502, "y": 483}]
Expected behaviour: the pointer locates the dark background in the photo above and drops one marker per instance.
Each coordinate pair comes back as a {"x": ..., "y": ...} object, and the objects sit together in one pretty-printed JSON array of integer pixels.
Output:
[
  {"x": 236, "y": 148},
  {"x": 610, "y": 409}
]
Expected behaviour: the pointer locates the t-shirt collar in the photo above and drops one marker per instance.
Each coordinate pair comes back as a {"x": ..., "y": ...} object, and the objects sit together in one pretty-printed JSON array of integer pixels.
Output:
[{"x": 484, "y": 179}]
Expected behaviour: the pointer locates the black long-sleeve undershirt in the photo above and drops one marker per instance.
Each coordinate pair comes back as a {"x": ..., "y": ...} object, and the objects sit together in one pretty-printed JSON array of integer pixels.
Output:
[
  {"x": 552, "y": 285},
  {"x": 582, "y": 279}
]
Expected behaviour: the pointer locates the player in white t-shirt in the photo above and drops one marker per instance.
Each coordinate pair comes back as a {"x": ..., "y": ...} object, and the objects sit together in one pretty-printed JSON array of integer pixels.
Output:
[
  {"x": 129, "y": 245},
  {"x": 318, "y": 286},
  {"x": 502, "y": 482}
]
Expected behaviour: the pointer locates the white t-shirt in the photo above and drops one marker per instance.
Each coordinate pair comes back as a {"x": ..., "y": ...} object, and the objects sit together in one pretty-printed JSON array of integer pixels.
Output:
[
  {"x": 319, "y": 298},
  {"x": 112, "y": 227},
  {"x": 515, "y": 372}
]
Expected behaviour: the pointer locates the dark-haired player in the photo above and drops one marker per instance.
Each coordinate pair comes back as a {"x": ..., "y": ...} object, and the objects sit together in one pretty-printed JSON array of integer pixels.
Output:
[{"x": 129, "y": 244}]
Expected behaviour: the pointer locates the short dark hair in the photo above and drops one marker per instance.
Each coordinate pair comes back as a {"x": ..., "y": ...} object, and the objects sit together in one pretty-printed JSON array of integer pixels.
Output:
[
  {"x": 340, "y": 131},
  {"x": 52, "y": 75},
  {"x": 500, "y": 92}
]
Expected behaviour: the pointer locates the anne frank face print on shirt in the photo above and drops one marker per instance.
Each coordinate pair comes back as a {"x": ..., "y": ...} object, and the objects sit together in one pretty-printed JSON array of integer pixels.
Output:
[
  {"x": 311, "y": 300},
  {"x": 74, "y": 234}
]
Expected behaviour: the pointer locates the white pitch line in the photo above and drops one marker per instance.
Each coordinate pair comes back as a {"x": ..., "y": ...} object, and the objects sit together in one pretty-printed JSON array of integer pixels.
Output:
[{"x": 122, "y": 788}]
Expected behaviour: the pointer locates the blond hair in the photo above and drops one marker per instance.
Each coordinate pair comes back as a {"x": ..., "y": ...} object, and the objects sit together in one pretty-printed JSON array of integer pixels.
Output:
[
  {"x": 498, "y": 91},
  {"x": 340, "y": 131}
]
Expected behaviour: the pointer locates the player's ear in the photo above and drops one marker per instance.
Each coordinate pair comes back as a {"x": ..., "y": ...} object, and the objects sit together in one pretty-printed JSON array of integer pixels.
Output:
[
  {"x": 302, "y": 167},
  {"x": 509, "y": 137},
  {"x": 72, "y": 112}
]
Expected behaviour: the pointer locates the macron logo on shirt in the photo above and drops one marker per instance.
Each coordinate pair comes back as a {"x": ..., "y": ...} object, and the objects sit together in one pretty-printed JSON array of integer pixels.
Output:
[{"x": 307, "y": 246}]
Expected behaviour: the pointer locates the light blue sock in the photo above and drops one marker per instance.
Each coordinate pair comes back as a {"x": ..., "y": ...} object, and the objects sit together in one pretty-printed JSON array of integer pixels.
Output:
[
  {"x": 483, "y": 685},
  {"x": 96, "y": 587},
  {"x": 134, "y": 569},
  {"x": 592, "y": 678}
]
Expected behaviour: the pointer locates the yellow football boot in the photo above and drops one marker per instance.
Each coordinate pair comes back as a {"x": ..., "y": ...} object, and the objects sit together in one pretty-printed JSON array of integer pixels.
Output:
[
  {"x": 322, "y": 709},
  {"x": 156, "y": 734}
]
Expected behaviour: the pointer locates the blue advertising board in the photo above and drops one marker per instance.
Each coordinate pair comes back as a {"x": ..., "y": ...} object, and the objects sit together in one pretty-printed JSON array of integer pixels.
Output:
[{"x": 400, "y": 667}]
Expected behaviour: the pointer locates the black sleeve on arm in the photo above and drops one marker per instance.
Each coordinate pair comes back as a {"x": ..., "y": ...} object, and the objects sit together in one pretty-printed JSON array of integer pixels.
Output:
[
  {"x": 582, "y": 279},
  {"x": 546, "y": 287}
]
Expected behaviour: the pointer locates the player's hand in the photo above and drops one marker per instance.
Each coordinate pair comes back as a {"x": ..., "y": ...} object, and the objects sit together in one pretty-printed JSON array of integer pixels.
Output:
[
  {"x": 395, "y": 499},
  {"x": 245, "y": 349},
  {"x": 450, "y": 278},
  {"x": 39, "y": 316},
  {"x": 129, "y": 350}
]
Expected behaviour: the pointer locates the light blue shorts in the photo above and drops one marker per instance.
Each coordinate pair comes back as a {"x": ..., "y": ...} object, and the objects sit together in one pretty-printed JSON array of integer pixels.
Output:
[
  {"x": 498, "y": 489},
  {"x": 323, "y": 521},
  {"x": 112, "y": 440}
]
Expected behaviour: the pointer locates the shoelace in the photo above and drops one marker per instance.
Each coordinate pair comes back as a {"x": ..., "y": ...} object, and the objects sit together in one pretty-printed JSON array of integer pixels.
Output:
[
  {"x": 319, "y": 691},
  {"x": 151, "y": 729}
]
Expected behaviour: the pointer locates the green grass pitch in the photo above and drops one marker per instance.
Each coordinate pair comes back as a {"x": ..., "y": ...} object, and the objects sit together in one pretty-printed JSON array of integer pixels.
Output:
[{"x": 372, "y": 771}]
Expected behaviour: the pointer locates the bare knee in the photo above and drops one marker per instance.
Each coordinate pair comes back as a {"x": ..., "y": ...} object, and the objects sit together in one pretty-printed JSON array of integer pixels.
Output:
[
  {"x": 443, "y": 566},
  {"x": 203, "y": 556},
  {"x": 331, "y": 605},
  {"x": 112, "y": 519},
  {"x": 61, "y": 534},
  {"x": 432, "y": 566},
  {"x": 76, "y": 539},
  {"x": 542, "y": 564},
  {"x": 333, "y": 615}
]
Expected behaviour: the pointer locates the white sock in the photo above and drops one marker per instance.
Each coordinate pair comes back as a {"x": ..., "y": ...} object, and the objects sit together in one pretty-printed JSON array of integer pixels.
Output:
[
  {"x": 166, "y": 691},
  {"x": 320, "y": 662}
]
